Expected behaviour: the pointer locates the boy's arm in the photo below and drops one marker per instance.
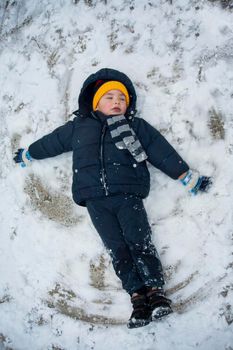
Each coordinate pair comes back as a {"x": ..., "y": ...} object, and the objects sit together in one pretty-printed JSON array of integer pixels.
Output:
[
  {"x": 53, "y": 144},
  {"x": 159, "y": 151},
  {"x": 164, "y": 157}
]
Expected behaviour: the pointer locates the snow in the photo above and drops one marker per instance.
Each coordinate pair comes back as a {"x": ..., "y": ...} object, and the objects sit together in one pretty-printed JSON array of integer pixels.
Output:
[{"x": 58, "y": 289}]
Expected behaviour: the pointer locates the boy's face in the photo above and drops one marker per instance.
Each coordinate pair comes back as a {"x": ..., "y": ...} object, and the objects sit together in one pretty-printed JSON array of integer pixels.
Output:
[{"x": 112, "y": 103}]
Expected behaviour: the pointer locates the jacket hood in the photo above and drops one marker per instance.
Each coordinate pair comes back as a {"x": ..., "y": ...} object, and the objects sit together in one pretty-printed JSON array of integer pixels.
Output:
[{"x": 87, "y": 91}]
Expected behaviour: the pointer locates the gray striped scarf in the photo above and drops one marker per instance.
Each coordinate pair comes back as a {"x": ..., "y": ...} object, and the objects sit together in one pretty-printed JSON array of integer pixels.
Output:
[{"x": 124, "y": 137}]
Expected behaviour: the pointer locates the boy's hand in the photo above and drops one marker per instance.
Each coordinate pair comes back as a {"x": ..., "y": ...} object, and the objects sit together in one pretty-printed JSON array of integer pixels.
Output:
[
  {"x": 205, "y": 183},
  {"x": 22, "y": 156},
  {"x": 195, "y": 182}
]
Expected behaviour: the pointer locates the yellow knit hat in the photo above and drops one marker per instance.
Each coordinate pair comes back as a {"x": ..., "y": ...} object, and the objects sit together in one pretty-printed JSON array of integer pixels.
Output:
[{"x": 109, "y": 85}]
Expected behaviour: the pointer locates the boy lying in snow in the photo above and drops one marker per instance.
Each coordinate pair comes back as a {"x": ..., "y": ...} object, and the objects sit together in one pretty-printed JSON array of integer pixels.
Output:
[{"x": 111, "y": 147}]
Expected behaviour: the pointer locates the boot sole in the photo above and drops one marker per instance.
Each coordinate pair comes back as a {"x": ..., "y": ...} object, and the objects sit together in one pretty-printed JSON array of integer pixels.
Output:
[
  {"x": 160, "y": 312},
  {"x": 138, "y": 323}
]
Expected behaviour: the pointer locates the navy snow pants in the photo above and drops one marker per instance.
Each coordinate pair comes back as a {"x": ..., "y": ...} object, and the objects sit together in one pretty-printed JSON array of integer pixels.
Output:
[{"x": 122, "y": 224}]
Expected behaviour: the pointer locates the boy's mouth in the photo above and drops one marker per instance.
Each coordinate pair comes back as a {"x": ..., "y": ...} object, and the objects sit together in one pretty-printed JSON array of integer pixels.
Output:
[{"x": 116, "y": 109}]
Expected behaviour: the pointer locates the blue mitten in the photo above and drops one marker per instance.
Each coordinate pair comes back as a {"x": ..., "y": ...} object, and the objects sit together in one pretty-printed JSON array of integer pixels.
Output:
[
  {"x": 195, "y": 182},
  {"x": 22, "y": 156}
]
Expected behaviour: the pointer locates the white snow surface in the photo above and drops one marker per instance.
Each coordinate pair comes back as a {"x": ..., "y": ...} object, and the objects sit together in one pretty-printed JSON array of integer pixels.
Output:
[{"x": 179, "y": 55}]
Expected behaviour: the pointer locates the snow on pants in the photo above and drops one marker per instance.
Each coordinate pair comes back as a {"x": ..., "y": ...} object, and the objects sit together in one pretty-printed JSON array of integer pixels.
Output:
[{"x": 123, "y": 226}]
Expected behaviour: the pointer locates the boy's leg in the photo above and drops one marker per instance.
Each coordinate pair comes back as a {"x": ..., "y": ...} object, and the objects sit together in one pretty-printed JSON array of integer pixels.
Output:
[
  {"x": 107, "y": 225},
  {"x": 137, "y": 233}
]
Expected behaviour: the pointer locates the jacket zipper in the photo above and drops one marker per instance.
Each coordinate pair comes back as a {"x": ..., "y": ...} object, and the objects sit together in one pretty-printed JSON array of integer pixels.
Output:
[{"x": 102, "y": 159}]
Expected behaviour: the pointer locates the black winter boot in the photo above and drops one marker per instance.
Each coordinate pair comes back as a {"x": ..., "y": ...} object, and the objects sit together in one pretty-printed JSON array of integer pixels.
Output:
[
  {"x": 141, "y": 315},
  {"x": 159, "y": 304}
]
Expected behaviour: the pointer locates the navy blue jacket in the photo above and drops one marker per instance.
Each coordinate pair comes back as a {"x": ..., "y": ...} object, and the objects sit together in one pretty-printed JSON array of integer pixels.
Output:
[{"x": 99, "y": 167}]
